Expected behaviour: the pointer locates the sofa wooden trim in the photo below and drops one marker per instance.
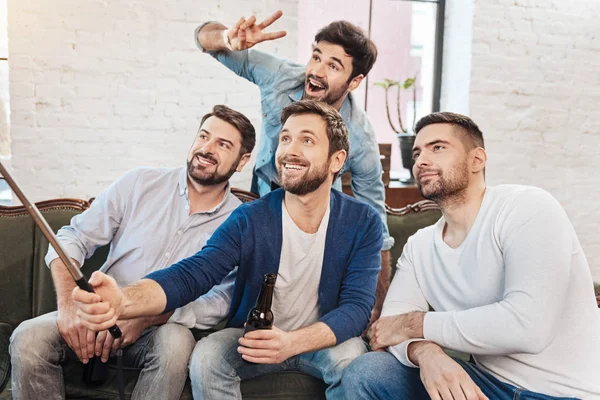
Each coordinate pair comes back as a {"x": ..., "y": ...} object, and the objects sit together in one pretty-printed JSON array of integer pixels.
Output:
[
  {"x": 54, "y": 204},
  {"x": 418, "y": 207}
]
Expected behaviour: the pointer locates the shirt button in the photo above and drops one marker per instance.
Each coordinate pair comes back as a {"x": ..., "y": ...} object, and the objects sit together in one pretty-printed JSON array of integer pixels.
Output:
[
  {"x": 265, "y": 114},
  {"x": 167, "y": 254},
  {"x": 187, "y": 207},
  {"x": 179, "y": 232}
]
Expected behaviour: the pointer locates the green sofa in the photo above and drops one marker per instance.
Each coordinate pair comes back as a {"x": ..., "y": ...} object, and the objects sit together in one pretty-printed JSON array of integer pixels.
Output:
[{"x": 26, "y": 291}]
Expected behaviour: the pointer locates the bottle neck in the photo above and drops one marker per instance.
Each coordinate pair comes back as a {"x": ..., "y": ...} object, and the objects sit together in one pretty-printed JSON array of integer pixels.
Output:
[{"x": 265, "y": 298}]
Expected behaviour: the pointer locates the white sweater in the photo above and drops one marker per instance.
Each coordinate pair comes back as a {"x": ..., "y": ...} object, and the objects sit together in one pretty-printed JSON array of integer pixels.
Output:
[{"x": 517, "y": 294}]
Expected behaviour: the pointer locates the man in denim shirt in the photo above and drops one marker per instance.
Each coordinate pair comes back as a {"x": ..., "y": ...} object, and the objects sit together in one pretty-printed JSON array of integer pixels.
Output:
[{"x": 342, "y": 56}]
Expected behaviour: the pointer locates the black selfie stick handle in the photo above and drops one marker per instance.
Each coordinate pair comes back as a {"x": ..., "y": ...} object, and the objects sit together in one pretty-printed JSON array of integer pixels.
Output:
[{"x": 84, "y": 285}]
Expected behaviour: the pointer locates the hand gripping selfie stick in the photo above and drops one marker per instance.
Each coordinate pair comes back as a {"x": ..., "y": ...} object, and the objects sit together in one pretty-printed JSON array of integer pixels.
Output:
[{"x": 41, "y": 223}]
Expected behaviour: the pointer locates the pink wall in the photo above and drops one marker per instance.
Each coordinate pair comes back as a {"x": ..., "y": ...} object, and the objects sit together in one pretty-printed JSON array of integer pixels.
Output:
[{"x": 390, "y": 30}]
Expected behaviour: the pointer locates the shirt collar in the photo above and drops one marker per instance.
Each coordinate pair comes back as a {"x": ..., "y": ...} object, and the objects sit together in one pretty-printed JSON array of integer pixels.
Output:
[
  {"x": 345, "y": 110},
  {"x": 183, "y": 191}
]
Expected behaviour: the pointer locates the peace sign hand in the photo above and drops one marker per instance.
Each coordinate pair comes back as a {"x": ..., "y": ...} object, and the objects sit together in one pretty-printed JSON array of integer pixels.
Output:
[{"x": 246, "y": 33}]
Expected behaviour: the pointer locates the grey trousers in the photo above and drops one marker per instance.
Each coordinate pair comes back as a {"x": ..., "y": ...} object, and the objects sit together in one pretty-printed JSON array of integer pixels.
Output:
[{"x": 37, "y": 351}]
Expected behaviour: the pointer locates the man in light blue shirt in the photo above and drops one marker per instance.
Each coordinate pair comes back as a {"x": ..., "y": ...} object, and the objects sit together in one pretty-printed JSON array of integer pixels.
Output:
[
  {"x": 152, "y": 218},
  {"x": 342, "y": 56}
]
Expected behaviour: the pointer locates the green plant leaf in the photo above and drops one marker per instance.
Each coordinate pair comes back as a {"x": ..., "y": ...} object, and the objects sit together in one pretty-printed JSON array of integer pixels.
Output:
[{"x": 409, "y": 82}]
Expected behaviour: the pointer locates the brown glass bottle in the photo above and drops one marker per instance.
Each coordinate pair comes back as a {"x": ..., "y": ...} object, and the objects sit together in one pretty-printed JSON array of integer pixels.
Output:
[{"x": 261, "y": 316}]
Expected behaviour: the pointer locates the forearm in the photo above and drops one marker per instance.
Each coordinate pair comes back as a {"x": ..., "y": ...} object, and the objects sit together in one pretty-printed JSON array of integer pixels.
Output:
[
  {"x": 417, "y": 350},
  {"x": 145, "y": 298},
  {"x": 383, "y": 281},
  {"x": 312, "y": 338},
  {"x": 210, "y": 37},
  {"x": 63, "y": 281}
]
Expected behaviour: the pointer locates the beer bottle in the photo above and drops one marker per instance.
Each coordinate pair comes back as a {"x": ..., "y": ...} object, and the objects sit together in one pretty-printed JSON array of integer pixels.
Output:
[{"x": 261, "y": 316}]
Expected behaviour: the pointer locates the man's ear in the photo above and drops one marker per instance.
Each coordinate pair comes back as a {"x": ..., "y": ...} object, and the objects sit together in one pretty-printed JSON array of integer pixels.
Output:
[
  {"x": 355, "y": 82},
  {"x": 243, "y": 161},
  {"x": 337, "y": 161},
  {"x": 479, "y": 159}
]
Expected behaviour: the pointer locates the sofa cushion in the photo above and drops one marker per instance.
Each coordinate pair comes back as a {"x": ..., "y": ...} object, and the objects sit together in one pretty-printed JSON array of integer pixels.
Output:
[
  {"x": 5, "y": 332},
  {"x": 16, "y": 255}
]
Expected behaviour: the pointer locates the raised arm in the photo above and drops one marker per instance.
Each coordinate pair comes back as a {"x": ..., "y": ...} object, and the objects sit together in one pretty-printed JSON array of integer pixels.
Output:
[
  {"x": 256, "y": 66},
  {"x": 246, "y": 33}
]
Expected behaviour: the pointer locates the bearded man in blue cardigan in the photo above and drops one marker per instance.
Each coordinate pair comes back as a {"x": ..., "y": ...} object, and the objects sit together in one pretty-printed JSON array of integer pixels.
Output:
[{"x": 324, "y": 246}]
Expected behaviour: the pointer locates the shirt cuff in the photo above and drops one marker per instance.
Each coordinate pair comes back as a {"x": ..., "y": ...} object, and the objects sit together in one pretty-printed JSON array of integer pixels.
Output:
[
  {"x": 196, "y": 31},
  {"x": 433, "y": 327},
  {"x": 400, "y": 351},
  {"x": 388, "y": 243},
  {"x": 72, "y": 250}
]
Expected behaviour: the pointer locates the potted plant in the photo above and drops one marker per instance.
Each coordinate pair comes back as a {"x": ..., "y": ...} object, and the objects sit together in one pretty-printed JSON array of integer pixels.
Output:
[{"x": 405, "y": 135}]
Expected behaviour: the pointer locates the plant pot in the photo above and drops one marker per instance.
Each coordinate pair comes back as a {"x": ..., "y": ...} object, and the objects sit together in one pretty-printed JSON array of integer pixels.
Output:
[{"x": 407, "y": 141}]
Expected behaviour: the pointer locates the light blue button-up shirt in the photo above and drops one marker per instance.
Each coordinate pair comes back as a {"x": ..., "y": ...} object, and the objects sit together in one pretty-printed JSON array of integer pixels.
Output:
[
  {"x": 145, "y": 216},
  {"x": 281, "y": 82}
]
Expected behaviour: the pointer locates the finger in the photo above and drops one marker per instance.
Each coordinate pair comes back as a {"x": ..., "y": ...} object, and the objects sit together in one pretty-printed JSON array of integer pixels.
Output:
[
  {"x": 273, "y": 35},
  {"x": 258, "y": 360},
  {"x": 445, "y": 393},
  {"x": 456, "y": 389},
  {"x": 264, "y": 334},
  {"x": 108, "y": 342},
  {"x": 82, "y": 296},
  {"x": 117, "y": 343},
  {"x": 248, "y": 23},
  {"x": 240, "y": 22},
  {"x": 100, "y": 338},
  {"x": 269, "y": 20},
  {"x": 257, "y": 353},
  {"x": 258, "y": 344},
  {"x": 75, "y": 346},
  {"x": 91, "y": 342},
  {"x": 82, "y": 336},
  {"x": 93, "y": 309},
  {"x": 97, "y": 327}
]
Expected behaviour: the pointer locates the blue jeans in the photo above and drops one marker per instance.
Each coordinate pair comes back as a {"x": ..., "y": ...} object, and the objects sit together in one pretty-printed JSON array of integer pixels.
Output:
[
  {"x": 381, "y": 376},
  {"x": 37, "y": 351},
  {"x": 216, "y": 368}
]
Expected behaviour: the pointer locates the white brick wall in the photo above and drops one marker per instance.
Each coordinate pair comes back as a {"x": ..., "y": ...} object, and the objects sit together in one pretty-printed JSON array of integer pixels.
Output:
[
  {"x": 535, "y": 91},
  {"x": 99, "y": 87}
]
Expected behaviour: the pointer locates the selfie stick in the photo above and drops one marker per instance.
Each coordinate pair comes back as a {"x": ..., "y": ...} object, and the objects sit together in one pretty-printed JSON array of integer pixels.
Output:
[{"x": 49, "y": 234}]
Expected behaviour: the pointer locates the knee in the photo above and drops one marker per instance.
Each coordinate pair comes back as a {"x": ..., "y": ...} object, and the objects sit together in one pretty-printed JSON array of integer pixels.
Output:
[
  {"x": 214, "y": 355},
  {"x": 174, "y": 344},
  {"x": 33, "y": 341},
  {"x": 365, "y": 373}
]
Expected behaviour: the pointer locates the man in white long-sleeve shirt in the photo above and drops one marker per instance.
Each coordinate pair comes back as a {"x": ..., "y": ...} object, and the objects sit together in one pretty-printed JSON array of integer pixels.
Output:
[{"x": 507, "y": 279}]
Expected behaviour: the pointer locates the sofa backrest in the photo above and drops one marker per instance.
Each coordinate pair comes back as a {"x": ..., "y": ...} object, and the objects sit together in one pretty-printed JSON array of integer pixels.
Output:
[
  {"x": 26, "y": 285},
  {"x": 404, "y": 222}
]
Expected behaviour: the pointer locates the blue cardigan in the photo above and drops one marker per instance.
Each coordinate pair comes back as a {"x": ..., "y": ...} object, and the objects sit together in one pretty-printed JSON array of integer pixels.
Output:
[{"x": 251, "y": 239}]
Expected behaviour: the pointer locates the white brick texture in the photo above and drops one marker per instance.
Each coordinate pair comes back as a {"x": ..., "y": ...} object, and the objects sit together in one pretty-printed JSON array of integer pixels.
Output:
[
  {"x": 534, "y": 91},
  {"x": 99, "y": 87}
]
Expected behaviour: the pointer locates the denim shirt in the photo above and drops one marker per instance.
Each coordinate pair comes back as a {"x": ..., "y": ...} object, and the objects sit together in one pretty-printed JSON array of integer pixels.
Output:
[{"x": 281, "y": 82}]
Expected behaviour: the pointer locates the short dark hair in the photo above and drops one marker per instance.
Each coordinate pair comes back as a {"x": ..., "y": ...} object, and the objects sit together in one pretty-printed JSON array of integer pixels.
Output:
[
  {"x": 355, "y": 42},
  {"x": 462, "y": 123},
  {"x": 238, "y": 120},
  {"x": 337, "y": 132}
]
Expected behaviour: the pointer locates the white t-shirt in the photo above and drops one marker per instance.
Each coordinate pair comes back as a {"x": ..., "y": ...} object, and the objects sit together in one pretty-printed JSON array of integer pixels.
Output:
[
  {"x": 296, "y": 294},
  {"x": 517, "y": 294}
]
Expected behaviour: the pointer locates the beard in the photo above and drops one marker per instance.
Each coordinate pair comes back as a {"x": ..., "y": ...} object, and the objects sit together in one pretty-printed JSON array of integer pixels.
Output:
[
  {"x": 447, "y": 186},
  {"x": 302, "y": 185},
  {"x": 200, "y": 175},
  {"x": 326, "y": 95}
]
